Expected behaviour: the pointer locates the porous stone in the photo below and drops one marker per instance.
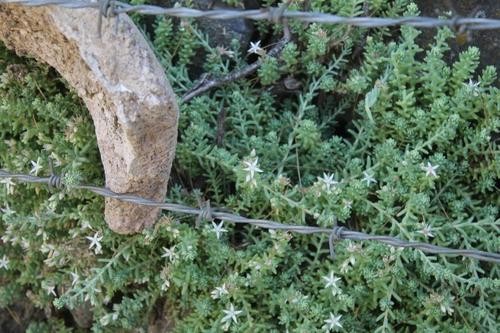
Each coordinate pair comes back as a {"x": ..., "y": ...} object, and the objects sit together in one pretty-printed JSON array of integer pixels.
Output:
[{"x": 125, "y": 89}]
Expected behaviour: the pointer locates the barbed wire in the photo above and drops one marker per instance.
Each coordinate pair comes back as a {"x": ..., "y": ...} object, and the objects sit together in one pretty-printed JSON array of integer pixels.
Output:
[
  {"x": 275, "y": 14},
  {"x": 208, "y": 213}
]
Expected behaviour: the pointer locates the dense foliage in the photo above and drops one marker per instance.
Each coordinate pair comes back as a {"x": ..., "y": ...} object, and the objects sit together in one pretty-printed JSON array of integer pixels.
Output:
[{"x": 395, "y": 142}]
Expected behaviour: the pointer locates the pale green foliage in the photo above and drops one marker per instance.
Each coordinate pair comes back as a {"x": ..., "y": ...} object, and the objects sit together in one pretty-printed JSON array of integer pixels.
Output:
[{"x": 387, "y": 118}]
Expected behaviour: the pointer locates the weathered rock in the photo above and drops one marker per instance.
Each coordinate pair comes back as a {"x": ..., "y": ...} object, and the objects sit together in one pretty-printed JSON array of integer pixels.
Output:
[{"x": 123, "y": 86}]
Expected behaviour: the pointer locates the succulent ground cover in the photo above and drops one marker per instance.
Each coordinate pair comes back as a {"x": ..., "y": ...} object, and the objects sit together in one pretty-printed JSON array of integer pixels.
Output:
[{"x": 364, "y": 128}]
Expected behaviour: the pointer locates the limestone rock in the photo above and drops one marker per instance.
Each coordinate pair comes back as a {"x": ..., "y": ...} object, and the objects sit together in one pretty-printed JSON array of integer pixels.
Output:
[{"x": 123, "y": 86}]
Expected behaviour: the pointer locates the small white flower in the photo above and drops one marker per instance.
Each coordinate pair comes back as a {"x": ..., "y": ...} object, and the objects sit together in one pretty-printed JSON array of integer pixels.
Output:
[
  {"x": 36, "y": 167},
  {"x": 219, "y": 292},
  {"x": 50, "y": 290},
  {"x": 9, "y": 184},
  {"x": 74, "y": 278},
  {"x": 95, "y": 241},
  {"x": 368, "y": 178},
  {"x": 446, "y": 308},
  {"x": 252, "y": 168},
  {"x": 430, "y": 170},
  {"x": 169, "y": 253},
  {"x": 328, "y": 181},
  {"x": 231, "y": 314},
  {"x": 331, "y": 282},
  {"x": 4, "y": 262},
  {"x": 427, "y": 231},
  {"x": 256, "y": 49},
  {"x": 218, "y": 229},
  {"x": 473, "y": 87},
  {"x": 333, "y": 322}
]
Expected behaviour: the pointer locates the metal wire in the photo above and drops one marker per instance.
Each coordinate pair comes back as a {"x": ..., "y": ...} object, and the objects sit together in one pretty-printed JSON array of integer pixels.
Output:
[
  {"x": 271, "y": 13},
  {"x": 208, "y": 212}
]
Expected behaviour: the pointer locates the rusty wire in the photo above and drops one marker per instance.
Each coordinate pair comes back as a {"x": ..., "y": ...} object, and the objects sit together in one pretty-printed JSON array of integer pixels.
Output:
[
  {"x": 274, "y": 14},
  {"x": 208, "y": 213}
]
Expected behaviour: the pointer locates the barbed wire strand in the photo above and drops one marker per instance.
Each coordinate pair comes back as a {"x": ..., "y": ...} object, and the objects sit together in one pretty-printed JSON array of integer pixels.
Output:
[
  {"x": 271, "y": 13},
  {"x": 209, "y": 213}
]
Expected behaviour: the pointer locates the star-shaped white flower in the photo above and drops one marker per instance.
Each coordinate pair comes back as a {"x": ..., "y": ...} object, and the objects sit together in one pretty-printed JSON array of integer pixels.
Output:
[
  {"x": 231, "y": 314},
  {"x": 36, "y": 167},
  {"x": 169, "y": 253},
  {"x": 4, "y": 262},
  {"x": 427, "y": 231},
  {"x": 473, "y": 87},
  {"x": 252, "y": 168},
  {"x": 472, "y": 84},
  {"x": 95, "y": 241},
  {"x": 219, "y": 291},
  {"x": 74, "y": 278},
  {"x": 256, "y": 49},
  {"x": 50, "y": 290},
  {"x": 218, "y": 229},
  {"x": 368, "y": 178},
  {"x": 331, "y": 280},
  {"x": 333, "y": 322},
  {"x": 328, "y": 181},
  {"x": 9, "y": 184},
  {"x": 430, "y": 170},
  {"x": 446, "y": 307}
]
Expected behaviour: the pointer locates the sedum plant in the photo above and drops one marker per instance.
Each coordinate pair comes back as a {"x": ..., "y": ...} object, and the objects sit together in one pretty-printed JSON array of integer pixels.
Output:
[{"x": 399, "y": 143}]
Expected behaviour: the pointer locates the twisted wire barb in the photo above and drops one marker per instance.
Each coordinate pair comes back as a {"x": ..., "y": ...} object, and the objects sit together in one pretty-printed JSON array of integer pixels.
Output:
[
  {"x": 273, "y": 14},
  {"x": 213, "y": 213}
]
